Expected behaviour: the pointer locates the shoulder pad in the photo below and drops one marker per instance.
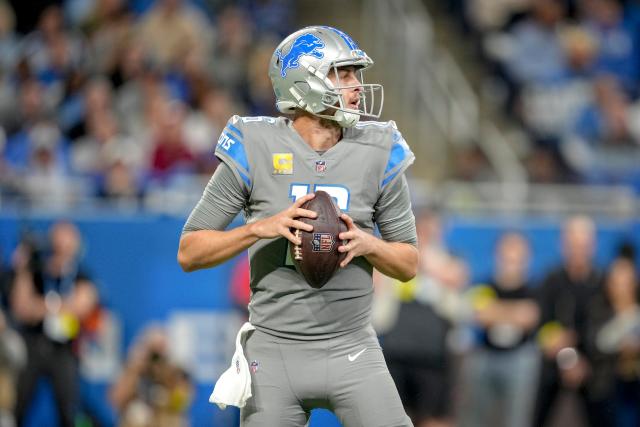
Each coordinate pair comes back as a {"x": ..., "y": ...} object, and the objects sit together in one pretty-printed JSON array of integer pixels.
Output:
[
  {"x": 231, "y": 150},
  {"x": 400, "y": 158}
]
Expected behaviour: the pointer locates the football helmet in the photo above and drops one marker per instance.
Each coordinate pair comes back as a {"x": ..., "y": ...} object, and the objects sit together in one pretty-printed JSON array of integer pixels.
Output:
[{"x": 299, "y": 71}]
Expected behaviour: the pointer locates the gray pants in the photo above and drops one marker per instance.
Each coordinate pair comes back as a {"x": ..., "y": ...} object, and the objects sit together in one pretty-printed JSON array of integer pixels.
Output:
[{"x": 347, "y": 375}]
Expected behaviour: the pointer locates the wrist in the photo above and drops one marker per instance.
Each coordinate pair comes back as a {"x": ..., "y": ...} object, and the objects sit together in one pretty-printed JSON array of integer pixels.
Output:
[
  {"x": 253, "y": 230},
  {"x": 372, "y": 247}
]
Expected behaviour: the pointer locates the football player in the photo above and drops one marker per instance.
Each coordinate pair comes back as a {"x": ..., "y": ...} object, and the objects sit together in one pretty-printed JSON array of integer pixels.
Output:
[{"x": 312, "y": 348}]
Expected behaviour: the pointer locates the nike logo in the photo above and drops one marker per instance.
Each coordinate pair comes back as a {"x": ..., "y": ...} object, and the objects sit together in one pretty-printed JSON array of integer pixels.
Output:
[{"x": 355, "y": 356}]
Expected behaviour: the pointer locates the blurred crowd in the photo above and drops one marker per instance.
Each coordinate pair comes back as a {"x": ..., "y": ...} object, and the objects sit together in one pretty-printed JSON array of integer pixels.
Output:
[
  {"x": 568, "y": 71},
  {"x": 558, "y": 347},
  {"x": 511, "y": 351},
  {"x": 125, "y": 99},
  {"x": 52, "y": 325}
]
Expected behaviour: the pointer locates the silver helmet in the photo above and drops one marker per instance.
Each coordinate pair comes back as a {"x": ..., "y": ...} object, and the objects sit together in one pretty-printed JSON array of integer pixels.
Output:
[{"x": 299, "y": 70}]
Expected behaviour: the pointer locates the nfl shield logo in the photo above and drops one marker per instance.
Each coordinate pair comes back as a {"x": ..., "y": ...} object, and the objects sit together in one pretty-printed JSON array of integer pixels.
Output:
[
  {"x": 254, "y": 366},
  {"x": 321, "y": 166},
  {"x": 322, "y": 242}
]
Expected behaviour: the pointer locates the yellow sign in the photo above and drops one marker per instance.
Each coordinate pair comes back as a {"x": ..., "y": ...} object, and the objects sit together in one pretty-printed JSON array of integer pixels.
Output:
[{"x": 282, "y": 163}]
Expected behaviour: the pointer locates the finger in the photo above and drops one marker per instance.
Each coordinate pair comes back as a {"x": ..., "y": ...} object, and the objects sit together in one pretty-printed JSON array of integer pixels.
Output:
[
  {"x": 287, "y": 234},
  {"x": 306, "y": 213},
  {"x": 347, "y": 220},
  {"x": 347, "y": 260},
  {"x": 302, "y": 226},
  {"x": 344, "y": 248},
  {"x": 303, "y": 199},
  {"x": 347, "y": 235}
]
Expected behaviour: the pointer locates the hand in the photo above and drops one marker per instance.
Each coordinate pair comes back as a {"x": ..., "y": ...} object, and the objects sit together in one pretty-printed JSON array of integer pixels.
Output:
[
  {"x": 488, "y": 316},
  {"x": 281, "y": 223},
  {"x": 574, "y": 376},
  {"x": 20, "y": 258},
  {"x": 360, "y": 243},
  {"x": 560, "y": 339}
]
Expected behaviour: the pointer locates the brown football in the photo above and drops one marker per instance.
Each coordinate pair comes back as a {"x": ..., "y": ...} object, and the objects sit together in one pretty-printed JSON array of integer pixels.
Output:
[{"x": 317, "y": 258}]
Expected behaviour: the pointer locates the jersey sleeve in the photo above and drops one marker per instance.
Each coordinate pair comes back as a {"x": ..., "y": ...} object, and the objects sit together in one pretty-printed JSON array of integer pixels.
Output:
[
  {"x": 393, "y": 214},
  {"x": 221, "y": 201},
  {"x": 232, "y": 150},
  {"x": 400, "y": 158}
]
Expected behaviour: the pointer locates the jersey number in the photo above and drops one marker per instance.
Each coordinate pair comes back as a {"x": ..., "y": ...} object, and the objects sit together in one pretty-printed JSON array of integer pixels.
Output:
[{"x": 339, "y": 193}]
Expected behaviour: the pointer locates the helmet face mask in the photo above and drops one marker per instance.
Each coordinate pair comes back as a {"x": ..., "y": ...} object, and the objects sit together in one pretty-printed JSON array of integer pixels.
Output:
[{"x": 300, "y": 72}]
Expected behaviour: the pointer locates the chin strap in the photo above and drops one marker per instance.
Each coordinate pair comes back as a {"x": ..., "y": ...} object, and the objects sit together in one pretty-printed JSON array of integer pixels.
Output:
[{"x": 345, "y": 119}]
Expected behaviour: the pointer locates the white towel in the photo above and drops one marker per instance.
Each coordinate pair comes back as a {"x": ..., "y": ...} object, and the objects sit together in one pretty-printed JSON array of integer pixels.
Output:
[{"x": 234, "y": 385}]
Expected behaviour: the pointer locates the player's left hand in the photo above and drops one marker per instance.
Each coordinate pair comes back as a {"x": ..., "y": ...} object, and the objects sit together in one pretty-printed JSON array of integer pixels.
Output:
[{"x": 359, "y": 242}]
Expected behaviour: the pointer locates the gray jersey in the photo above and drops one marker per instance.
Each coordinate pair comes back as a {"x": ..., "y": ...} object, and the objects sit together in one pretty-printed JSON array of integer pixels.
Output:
[{"x": 273, "y": 166}]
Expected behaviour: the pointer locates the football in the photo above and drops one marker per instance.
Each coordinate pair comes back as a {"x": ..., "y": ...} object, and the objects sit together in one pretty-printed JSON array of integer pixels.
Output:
[{"x": 317, "y": 258}]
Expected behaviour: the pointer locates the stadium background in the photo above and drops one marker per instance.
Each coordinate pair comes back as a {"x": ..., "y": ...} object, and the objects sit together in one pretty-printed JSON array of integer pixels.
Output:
[{"x": 109, "y": 120}]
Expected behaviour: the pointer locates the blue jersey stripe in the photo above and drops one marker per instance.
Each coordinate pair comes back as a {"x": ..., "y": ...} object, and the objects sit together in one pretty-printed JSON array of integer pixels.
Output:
[
  {"x": 237, "y": 153},
  {"x": 232, "y": 146},
  {"x": 244, "y": 177},
  {"x": 235, "y": 129},
  {"x": 389, "y": 178},
  {"x": 398, "y": 154}
]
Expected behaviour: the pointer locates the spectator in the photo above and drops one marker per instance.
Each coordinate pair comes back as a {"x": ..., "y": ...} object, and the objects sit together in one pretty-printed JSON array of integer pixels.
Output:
[
  {"x": 38, "y": 157},
  {"x": 12, "y": 356},
  {"x": 260, "y": 97},
  {"x": 171, "y": 29},
  {"x": 239, "y": 290},
  {"x": 232, "y": 49},
  {"x": 51, "y": 295},
  {"x": 617, "y": 340},
  {"x": 33, "y": 106},
  {"x": 491, "y": 15},
  {"x": 170, "y": 152},
  {"x": 108, "y": 26},
  {"x": 152, "y": 391},
  {"x": 617, "y": 33},
  {"x": 534, "y": 51},
  {"x": 548, "y": 107},
  {"x": 204, "y": 124},
  {"x": 415, "y": 342},
  {"x": 270, "y": 17},
  {"x": 565, "y": 296},
  {"x": 93, "y": 154},
  {"x": 503, "y": 369},
  {"x": 53, "y": 54},
  {"x": 8, "y": 39},
  {"x": 96, "y": 98},
  {"x": 601, "y": 146}
]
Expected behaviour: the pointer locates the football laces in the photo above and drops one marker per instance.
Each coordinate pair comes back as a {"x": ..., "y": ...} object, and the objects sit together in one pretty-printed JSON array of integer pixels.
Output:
[{"x": 297, "y": 249}]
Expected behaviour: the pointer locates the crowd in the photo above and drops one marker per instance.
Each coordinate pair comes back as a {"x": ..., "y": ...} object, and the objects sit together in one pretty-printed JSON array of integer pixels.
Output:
[
  {"x": 52, "y": 323},
  {"x": 121, "y": 100},
  {"x": 508, "y": 351},
  {"x": 568, "y": 71}
]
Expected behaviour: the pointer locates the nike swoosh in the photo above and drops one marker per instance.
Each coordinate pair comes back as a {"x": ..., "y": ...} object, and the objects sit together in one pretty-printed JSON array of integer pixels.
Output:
[{"x": 355, "y": 356}]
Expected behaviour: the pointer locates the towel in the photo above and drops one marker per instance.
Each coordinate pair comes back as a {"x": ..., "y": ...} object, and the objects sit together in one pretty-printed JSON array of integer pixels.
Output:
[{"x": 234, "y": 385}]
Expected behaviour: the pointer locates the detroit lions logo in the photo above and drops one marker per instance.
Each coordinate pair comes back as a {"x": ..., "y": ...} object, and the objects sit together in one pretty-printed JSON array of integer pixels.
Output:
[{"x": 306, "y": 44}]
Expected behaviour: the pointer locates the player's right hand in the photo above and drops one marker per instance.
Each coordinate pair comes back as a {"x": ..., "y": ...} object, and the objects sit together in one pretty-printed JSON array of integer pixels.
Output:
[{"x": 281, "y": 223}]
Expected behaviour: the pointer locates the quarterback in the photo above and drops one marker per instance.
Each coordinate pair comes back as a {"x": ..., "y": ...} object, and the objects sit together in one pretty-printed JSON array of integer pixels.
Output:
[{"x": 312, "y": 348}]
